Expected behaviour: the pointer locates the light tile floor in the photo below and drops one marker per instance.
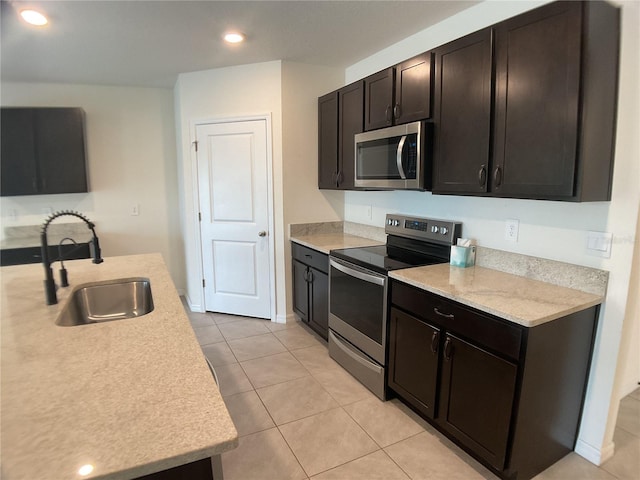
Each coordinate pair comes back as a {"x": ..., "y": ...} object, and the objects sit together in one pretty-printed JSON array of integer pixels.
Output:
[{"x": 301, "y": 416}]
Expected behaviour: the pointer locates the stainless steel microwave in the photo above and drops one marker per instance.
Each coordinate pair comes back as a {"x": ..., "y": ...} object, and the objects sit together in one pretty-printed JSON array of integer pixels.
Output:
[{"x": 392, "y": 158}]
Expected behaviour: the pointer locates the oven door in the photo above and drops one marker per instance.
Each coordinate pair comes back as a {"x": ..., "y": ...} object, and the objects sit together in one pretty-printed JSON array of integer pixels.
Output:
[{"x": 358, "y": 306}]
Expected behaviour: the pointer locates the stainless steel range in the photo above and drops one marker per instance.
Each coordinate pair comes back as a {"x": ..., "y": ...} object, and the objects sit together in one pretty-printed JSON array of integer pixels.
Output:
[{"x": 358, "y": 281}]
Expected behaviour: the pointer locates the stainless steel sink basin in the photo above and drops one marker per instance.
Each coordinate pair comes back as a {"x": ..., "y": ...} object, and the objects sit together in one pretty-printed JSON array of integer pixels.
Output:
[{"x": 106, "y": 301}]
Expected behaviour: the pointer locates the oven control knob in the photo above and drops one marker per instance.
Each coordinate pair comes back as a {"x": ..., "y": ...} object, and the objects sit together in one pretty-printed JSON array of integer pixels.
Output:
[
  {"x": 444, "y": 230},
  {"x": 389, "y": 222},
  {"x": 396, "y": 223},
  {"x": 434, "y": 229}
]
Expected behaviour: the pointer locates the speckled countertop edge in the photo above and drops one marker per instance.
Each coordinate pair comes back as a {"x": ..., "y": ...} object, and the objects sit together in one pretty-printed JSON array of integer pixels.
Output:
[
  {"x": 326, "y": 236},
  {"x": 518, "y": 299},
  {"x": 583, "y": 287},
  {"x": 131, "y": 397}
]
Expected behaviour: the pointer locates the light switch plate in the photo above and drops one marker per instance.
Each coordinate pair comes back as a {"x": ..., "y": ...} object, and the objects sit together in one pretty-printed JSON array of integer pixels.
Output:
[{"x": 599, "y": 244}]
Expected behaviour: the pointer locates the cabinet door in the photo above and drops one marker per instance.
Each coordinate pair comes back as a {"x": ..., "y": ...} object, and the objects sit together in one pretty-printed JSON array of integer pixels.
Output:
[
  {"x": 413, "y": 361},
  {"x": 61, "y": 150},
  {"x": 413, "y": 89},
  {"x": 351, "y": 118},
  {"x": 319, "y": 298},
  {"x": 537, "y": 95},
  {"x": 462, "y": 114},
  {"x": 19, "y": 175},
  {"x": 301, "y": 290},
  {"x": 476, "y": 398},
  {"x": 328, "y": 140},
  {"x": 378, "y": 99}
]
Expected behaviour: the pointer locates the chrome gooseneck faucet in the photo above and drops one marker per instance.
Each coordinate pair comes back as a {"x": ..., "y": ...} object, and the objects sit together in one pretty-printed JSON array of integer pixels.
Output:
[{"x": 49, "y": 283}]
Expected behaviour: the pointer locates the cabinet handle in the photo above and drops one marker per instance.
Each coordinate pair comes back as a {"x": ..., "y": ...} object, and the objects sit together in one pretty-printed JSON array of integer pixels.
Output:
[
  {"x": 497, "y": 176},
  {"x": 445, "y": 315},
  {"x": 448, "y": 349},
  {"x": 396, "y": 111},
  {"x": 310, "y": 277},
  {"x": 434, "y": 342},
  {"x": 306, "y": 275},
  {"x": 482, "y": 175},
  {"x": 339, "y": 178},
  {"x": 387, "y": 113}
]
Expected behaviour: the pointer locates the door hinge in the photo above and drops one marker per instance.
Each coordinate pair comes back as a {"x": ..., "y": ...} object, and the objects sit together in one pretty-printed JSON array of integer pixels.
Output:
[
  {"x": 203, "y": 285},
  {"x": 199, "y": 216},
  {"x": 195, "y": 144}
]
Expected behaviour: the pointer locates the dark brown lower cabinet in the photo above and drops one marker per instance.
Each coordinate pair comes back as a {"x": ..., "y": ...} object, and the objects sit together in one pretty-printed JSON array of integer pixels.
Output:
[
  {"x": 509, "y": 395},
  {"x": 476, "y": 398},
  {"x": 311, "y": 288},
  {"x": 413, "y": 360}
]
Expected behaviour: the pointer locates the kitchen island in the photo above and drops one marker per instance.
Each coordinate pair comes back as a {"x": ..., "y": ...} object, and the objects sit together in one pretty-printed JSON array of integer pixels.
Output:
[{"x": 129, "y": 397}]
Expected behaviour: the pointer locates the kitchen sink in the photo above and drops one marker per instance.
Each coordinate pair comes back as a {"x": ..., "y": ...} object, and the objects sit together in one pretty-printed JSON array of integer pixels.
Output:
[{"x": 106, "y": 301}]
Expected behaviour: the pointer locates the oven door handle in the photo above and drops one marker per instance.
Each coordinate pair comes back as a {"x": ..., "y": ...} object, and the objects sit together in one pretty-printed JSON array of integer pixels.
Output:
[{"x": 352, "y": 272}]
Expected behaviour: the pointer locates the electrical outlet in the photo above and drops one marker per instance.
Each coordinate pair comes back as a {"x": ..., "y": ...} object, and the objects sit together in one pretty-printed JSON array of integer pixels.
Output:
[
  {"x": 135, "y": 210},
  {"x": 511, "y": 229}
]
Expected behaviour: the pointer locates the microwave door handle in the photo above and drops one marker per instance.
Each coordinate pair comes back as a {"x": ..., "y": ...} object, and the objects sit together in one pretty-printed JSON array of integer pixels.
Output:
[{"x": 399, "y": 157}]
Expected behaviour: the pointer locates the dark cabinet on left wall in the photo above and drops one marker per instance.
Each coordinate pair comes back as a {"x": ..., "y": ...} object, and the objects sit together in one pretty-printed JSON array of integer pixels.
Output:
[
  {"x": 43, "y": 151},
  {"x": 340, "y": 117},
  {"x": 311, "y": 287}
]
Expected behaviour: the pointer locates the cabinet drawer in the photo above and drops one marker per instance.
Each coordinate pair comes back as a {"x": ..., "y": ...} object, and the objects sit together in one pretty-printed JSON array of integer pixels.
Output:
[
  {"x": 492, "y": 333},
  {"x": 310, "y": 257}
]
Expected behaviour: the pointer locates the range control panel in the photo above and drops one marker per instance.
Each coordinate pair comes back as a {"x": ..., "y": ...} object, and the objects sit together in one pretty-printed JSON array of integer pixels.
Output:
[{"x": 427, "y": 229}]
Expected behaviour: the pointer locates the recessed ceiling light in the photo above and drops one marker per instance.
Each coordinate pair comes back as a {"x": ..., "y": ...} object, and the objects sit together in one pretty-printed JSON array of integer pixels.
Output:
[
  {"x": 34, "y": 18},
  {"x": 233, "y": 37}
]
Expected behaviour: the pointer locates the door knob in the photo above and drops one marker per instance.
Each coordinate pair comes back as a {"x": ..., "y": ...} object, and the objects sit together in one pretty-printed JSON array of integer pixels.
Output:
[{"x": 262, "y": 234}]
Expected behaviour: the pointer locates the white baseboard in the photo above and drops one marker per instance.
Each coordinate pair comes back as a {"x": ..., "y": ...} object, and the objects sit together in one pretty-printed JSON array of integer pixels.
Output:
[
  {"x": 594, "y": 455},
  {"x": 290, "y": 317},
  {"x": 194, "y": 307}
]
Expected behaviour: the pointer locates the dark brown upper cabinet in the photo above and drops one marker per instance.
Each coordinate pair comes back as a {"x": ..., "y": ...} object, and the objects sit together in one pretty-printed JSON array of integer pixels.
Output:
[
  {"x": 43, "y": 151},
  {"x": 399, "y": 94},
  {"x": 327, "y": 140},
  {"x": 462, "y": 114},
  {"x": 556, "y": 89},
  {"x": 414, "y": 79},
  {"x": 378, "y": 104},
  {"x": 340, "y": 117},
  {"x": 552, "y": 100}
]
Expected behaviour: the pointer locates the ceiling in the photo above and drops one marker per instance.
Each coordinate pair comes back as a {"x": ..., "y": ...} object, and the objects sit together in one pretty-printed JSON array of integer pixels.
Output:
[{"x": 148, "y": 43}]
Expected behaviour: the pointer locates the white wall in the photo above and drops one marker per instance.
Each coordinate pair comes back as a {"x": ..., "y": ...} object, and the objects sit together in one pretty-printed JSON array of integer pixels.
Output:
[
  {"x": 628, "y": 375},
  {"x": 552, "y": 230},
  {"x": 288, "y": 92},
  {"x": 131, "y": 161},
  {"x": 231, "y": 92},
  {"x": 303, "y": 201}
]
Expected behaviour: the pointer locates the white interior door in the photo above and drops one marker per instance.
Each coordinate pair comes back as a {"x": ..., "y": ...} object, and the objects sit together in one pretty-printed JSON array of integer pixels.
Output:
[{"x": 233, "y": 188}]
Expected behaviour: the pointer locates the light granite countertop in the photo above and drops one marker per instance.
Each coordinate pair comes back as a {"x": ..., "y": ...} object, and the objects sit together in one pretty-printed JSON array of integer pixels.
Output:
[
  {"x": 129, "y": 397},
  {"x": 325, "y": 242},
  {"x": 518, "y": 299}
]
